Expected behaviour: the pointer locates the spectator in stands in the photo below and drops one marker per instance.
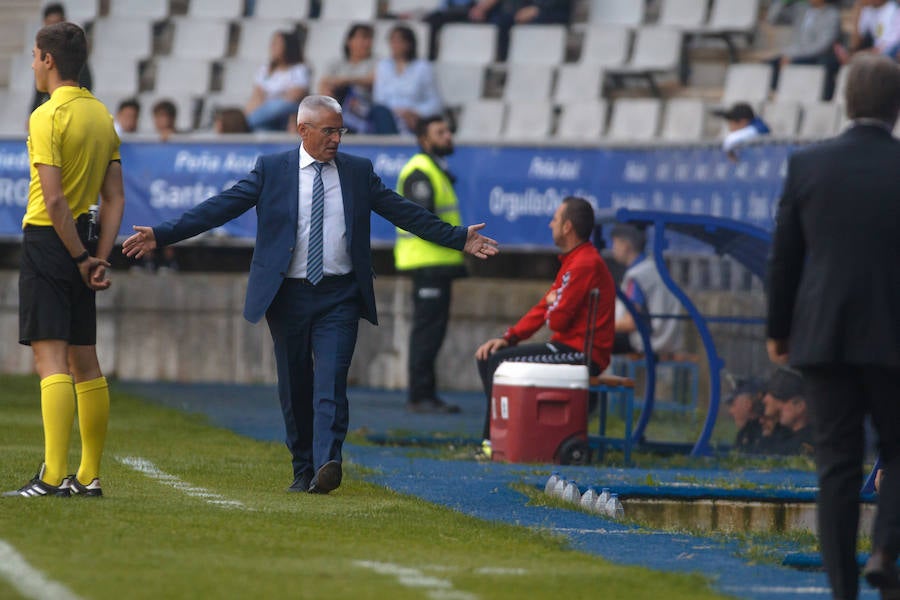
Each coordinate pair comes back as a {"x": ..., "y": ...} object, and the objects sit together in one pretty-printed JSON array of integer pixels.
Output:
[
  {"x": 405, "y": 90},
  {"x": 877, "y": 30},
  {"x": 745, "y": 405},
  {"x": 564, "y": 309},
  {"x": 279, "y": 86},
  {"x": 449, "y": 11},
  {"x": 743, "y": 125},
  {"x": 349, "y": 81},
  {"x": 795, "y": 416},
  {"x": 55, "y": 13},
  {"x": 784, "y": 385},
  {"x": 230, "y": 120},
  {"x": 644, "y": 286},
  {"x": 506, "y": 13},
  {"x": 127, "y": 114},
  {"x": 164, "y": 115},
  {"x": 816, "y": 27}
]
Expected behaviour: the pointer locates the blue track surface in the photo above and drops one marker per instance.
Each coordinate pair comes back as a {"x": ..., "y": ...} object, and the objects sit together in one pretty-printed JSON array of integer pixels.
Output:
[{"x": 484, "y": 490}]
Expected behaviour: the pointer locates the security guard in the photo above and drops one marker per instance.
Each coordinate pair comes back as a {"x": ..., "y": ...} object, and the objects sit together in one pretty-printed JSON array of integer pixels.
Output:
[{"x": 426, "y": 181}]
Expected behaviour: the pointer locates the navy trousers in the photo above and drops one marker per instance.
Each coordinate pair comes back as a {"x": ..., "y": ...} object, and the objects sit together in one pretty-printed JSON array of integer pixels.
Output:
[{"x": 314, "y": 333}]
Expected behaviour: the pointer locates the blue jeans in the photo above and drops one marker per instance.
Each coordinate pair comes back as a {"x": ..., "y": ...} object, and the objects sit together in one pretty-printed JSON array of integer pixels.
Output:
[{"x": 272, "y": 115}]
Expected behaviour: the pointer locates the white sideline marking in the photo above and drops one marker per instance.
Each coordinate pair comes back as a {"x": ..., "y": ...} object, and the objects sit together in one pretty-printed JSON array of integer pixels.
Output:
[
  {"x": 438, "y": 589},
  {"x": 501, "y": 571},
  {"x": 142, "y": 465},
  {"x": 27, "y": 580},
  {"x": 776, "y": 589}
]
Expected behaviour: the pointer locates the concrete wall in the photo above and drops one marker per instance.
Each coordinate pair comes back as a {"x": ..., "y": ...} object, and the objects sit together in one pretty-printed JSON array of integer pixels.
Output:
[{"x": 188, "y": 327}]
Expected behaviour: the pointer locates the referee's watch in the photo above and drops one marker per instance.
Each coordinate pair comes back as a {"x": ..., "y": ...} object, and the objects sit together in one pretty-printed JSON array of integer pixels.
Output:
[{"x": 81, "y": 257}]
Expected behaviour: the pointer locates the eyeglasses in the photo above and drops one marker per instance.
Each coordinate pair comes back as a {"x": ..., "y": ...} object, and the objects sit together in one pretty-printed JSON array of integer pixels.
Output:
[{"x": 330, "y": 131}]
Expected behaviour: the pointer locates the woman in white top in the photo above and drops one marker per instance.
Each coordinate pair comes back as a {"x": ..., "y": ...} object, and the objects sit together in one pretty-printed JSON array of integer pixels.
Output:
[
  {"x": 405, "y": 90},
  {"x": 279, "y": 86}
]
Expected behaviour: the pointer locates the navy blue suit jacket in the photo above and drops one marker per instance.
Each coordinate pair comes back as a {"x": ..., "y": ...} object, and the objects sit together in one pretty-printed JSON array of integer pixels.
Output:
[{"x": 273, "y": 187}]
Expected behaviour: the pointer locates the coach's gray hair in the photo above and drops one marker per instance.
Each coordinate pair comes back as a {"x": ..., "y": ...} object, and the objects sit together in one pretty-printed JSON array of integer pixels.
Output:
[{"x": 313, "y": 104}]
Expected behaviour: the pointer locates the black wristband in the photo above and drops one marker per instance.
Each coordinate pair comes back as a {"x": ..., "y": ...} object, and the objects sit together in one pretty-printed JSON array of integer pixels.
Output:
[{"x": 81, "y": 257}]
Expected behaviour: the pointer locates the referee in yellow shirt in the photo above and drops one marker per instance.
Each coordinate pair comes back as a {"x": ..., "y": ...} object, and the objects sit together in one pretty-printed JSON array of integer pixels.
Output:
[{"x": 74, "y": 155}]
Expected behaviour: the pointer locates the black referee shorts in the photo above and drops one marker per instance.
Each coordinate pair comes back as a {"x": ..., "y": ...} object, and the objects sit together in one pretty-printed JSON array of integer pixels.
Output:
[{"x": 54, "y": 303}]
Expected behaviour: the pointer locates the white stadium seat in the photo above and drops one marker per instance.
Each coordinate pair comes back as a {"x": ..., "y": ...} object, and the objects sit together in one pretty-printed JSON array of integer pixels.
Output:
[
  {"x": 200, "y": 38},
  {"x": 354, "y": 10},
  {"x": 527, "y": 82},
  {"x": 800, "y": 83},
  {"x": 481, "y": 120},
  {"x": 746, "y": 83},
  {"x": 616, "y": 12},
  {"x": 153, "y": 10},
  {"x": 605, "y": 45},
  {"x": 279, "y": 9},
  {"x": 582, "y": 120},
  {"x": 16, "y": 108},
  {"x": 634, "y": 119},
  {"x": 115, "y": 75},
  {"x": 181, "y": 75},
  {"x": 820, "y": 119},
  {"x": 256, "y": 36},
  {"x": 684, "y": 14},
  {"x": 684, "y": 120},
  {"x": 467, "y": 43},
  {"x": 324, "y": 41},
  {"x": 537, "y": 44},
  {"x": 238, "y": 75},
  {"x": 782, "y": 117},
  {"x": 459, "y": 83},
  {"x": 528, "y": 121},
  {"x": 577, "y": 82},
  {"x": 21, "y": 77},
  {"x": 216, "y": 9},
  {"x": 122, "y": 38}
]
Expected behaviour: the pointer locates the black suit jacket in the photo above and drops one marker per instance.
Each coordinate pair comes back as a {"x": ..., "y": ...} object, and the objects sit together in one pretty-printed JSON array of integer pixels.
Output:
[
  {"x": 834, "y": 273},
  {"x": 272, "y": 188}
]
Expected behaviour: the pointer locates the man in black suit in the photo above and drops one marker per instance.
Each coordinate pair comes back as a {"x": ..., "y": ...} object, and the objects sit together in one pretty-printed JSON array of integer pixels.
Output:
[{"x": 834, "y": 314}]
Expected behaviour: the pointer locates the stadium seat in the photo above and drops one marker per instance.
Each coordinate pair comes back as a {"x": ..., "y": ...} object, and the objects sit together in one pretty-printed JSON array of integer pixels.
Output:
[
  {"x": 186, "y": 105},
  {"x": 79, "y": 11},
  {"x": 16, "y": 108},
  {"x": 196, "y": 38},
  {"x": 216, "y": 9},
  {"x": 634, "y": 119},
  {"x": 683, "y": 14},
  {"x": 683, "y": 120},
  {"x": 820, "y": 119},
  {"x": 175, "y": 75},
  {"x": 467, "y": 43},
  {"x": 324, "y": 41},
  {"x": 657, "y": 50},
  {"x": 537, "y": 45},
  {"x": 412, "y": 7},
  {"x": 730, "y": 18},
  {"x": 840, "y": 84},
  {"x": 295, "y": 10},
  {"x": 481, "y": 120},
  {"x": 577, "y": 82},
  {"x": 218, "y": 100},
  {"x": 114, "y": 75},
  {"x": 528, "y": 121},
  {"x": 148, "y": 10},
  {"x": 459, "y": 83},
  {"x": 746, "y": 83},
  {"x": 616, "y": 12},
  {"x": 782, "y": 117},
  {"x": 121, "y": 38},
  {"x": 238, "y": 75},
  {"x": 21, "y": 77},
  {"x": 800, "y": 83},
  {"x": 382, "y": 27},
  {"x": 354, "y": 10},
  {"x": 605, "y": 45},
  {"x": 256, "y": 35},
  {"x": 526, "y": 82},
  {"x": 582, "y": 120}
]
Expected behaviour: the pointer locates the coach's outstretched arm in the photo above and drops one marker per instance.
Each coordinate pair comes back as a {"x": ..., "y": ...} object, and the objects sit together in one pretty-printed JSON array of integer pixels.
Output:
[
  {"x": 478, "y": 245},
  {"x": 139, "y": 244}
]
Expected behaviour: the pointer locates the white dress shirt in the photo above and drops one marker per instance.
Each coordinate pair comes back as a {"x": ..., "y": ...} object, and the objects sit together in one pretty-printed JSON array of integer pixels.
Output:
[{"x": 335, "y": 256}]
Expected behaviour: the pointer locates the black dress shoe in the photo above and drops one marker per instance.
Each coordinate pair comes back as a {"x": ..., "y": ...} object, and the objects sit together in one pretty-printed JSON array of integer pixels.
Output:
[
  {"x": 301, "y": 482},
  {"x": 881, "y": 572},
  {"x": 432, "y": 406},
  {"x": 327, "y": 478}
]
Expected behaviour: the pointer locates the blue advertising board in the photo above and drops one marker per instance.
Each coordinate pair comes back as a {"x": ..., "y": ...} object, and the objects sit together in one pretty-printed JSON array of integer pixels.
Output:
[{"x": 515, "y": 190}]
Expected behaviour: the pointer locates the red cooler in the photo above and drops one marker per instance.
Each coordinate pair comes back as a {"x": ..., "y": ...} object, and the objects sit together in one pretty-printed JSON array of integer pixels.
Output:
[{"x": 539, "y": 413}]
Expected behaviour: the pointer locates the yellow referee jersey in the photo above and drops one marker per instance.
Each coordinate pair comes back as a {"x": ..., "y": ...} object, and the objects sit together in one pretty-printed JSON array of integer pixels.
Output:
[{"x": 72, "y": 131}]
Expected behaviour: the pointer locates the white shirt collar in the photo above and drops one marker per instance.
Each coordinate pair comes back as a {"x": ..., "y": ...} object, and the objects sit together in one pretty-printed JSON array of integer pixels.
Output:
[{"x": 306, "y": 159}]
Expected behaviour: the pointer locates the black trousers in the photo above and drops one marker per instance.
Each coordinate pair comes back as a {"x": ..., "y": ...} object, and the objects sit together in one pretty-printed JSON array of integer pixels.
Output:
[
  {"x": 551, "y": 352},
  {"x": 431, "y": 312},
  {"x": 841, "y": 396}
]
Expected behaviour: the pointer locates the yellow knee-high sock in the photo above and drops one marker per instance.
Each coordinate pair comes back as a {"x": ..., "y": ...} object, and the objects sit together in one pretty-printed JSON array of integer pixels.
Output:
[
  {"x": 93, "y": 418},
  {"x": 58, "y": 411}
]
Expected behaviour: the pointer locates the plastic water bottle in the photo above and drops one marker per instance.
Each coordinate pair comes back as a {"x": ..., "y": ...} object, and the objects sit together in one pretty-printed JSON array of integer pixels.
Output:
[
  {"x": 571, "y": 492},
  {"x": 600, "y": 502},
  {"x": 551, "y": 482},
  {"x": 614, "y": 508},
  {"x": 560, "y": 487},
  {"x": 588, "y": 498}
]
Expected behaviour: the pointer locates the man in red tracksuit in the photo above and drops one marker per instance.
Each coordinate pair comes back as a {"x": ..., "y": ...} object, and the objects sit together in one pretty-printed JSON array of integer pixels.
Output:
[{"x": 564, "y": 309}]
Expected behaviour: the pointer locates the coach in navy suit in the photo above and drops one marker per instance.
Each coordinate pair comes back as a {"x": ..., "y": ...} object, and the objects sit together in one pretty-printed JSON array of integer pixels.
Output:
[
  {"x": 834, "y": 314},
  {"x": 311, "y": 273}
]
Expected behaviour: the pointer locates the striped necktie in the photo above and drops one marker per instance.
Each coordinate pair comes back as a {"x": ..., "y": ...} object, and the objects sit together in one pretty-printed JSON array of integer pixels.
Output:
[{"x": 314, "y": 258}]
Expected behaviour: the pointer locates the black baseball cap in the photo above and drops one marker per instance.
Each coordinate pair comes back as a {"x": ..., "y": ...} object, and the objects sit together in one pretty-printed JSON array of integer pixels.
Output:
[
  {"x": 737, "y": 112},
  {"x": 785, "y": 384},
  {"x": 751, "y": 387}
]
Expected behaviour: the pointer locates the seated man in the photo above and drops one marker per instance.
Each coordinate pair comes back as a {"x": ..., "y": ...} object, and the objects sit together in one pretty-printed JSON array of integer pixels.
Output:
[
  {"x": 743, "y": 125},
  {"x": 646, "y": 290},
  {"x": 794, "y": 416},
  {"x": 564, "y": 309},
  {"x": 745, "y": 406},
  {"x": 777, "y": 438}
]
